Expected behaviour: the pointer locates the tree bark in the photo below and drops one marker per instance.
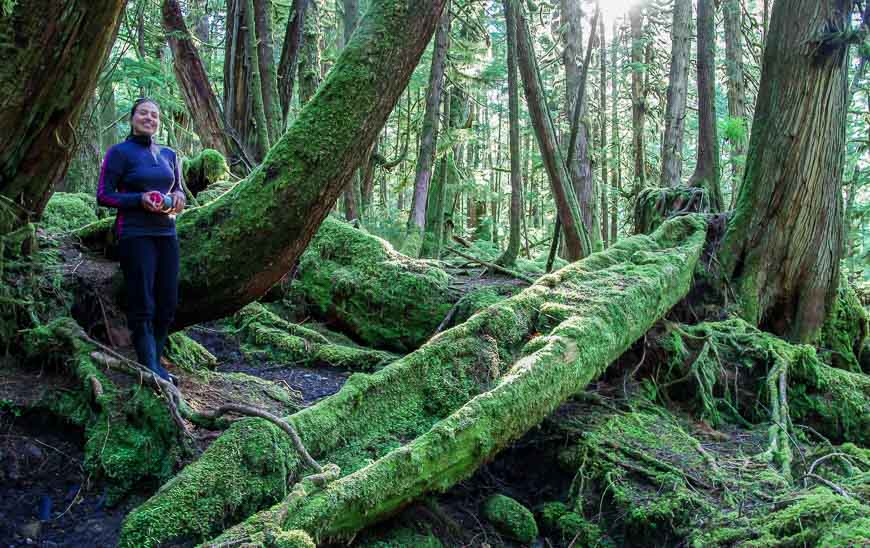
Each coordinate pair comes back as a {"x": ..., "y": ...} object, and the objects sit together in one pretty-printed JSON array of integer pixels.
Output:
[
  {"x": 268, "y": 70},
  {"x": 227, "y": 258},
  {"x": 69, "y": 43},
  {"x": 428, "y": 136},
  {"x": 678, "y": 86},
  {"x": 707, "y": 171},
  {"x": 309, "y": 63},
  {"x": 238, "y": 108},
  {"x": 290, "y": 55},
  {"x": 509, "y": 257},
  {"x": 263, "y": 143},
  {"x": 201, "y": 102},
  {"x": 577, "y": 242},
  {"x": 638, "y": 97},
  {"x": 783, "y": 244},
  {"x": 615, "y": 142},
  {"x": 351, "y": 192},
  {"x": 602, "y": 126},
  {"x": 736, "y": 89}
]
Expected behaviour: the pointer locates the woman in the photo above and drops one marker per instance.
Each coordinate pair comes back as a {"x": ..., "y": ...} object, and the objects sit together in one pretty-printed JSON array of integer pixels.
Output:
[{"x": 143, "y": 181}]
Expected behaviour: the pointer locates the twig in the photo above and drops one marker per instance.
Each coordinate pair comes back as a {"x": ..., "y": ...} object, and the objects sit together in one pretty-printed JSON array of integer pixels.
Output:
[
  {"x": 493, "y": 266},
  {"x": 447, "y": 318},
  {"x": 839, "y": 490}
]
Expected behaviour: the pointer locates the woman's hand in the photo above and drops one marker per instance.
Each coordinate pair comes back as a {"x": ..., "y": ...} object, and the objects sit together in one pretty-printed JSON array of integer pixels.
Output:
[
  {"x": 152, "y": 201},
  {"x": 179, "y": 200}
]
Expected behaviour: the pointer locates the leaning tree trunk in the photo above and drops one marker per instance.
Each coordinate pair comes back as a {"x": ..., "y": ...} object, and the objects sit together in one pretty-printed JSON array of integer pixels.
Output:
[
  {"x": 706, "y": 174},
  {"x": 235, "y": 248},
  {"x": 397, "y": 434},
  {"x": 577, "y": 242},
  {"x": 783, "y": 244},
  {"x": 675, "y": 111},
  {"x": 201, "y": 102},
  {"x": 69, "y": 42}
]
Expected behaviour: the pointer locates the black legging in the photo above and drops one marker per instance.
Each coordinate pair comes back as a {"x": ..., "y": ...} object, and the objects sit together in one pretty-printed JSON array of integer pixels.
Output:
[{"x": 150, "y": 265}]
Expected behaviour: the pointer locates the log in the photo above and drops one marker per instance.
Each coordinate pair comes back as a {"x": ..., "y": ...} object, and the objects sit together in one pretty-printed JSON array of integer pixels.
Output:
[{"x": 430, "y": 419}]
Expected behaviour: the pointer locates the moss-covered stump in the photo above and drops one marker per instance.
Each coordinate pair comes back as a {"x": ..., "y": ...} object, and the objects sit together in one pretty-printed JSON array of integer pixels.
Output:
[
  {"x": 270, "y": 337},
  {"x": 735, "y": 372},
  {"x": 511, "y": 518},
  {"x": 845, "y": 330},
  {"x": 358, "y": 283},
  {"x": 431, "y": 418},
  {"x": 69, "y": 211},
  {"x": 203, "y": 170},
  {"x": 655, "y": 205}
]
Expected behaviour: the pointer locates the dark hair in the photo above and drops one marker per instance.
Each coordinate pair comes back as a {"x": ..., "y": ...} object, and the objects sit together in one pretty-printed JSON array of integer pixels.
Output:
[{"x": 136, "y": 104}]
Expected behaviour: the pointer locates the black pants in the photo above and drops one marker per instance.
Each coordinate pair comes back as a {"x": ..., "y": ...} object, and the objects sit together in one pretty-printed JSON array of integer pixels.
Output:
[{"x": 150, "y": 265}]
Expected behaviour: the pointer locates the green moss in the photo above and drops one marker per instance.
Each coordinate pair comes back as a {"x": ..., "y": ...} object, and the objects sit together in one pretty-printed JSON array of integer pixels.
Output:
[
  {"x": 653, "y": 206},
  {"x": 478, "y": 299},
  {"x": 204, "y": 169},
  {"x": 845, "y": 329},
  {"x": 68, "y": 211},
  {"x": 268, "y": 335},
  {"x": 360, "y": 283},
  {"x": 578, "y": 531},
  {"x": 549, "y": 514},
  {"x": 511, "y": 518},
  {"x": 292, "y": 539},
  {"x": 188, "y": 354},
  {"x": 403, "y": 537}
]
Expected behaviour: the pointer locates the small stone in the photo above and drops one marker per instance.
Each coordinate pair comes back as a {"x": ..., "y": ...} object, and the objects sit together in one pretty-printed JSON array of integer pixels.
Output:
[
  {"x": 511, "y": 518},
  {"x": 31, "y": 530}
]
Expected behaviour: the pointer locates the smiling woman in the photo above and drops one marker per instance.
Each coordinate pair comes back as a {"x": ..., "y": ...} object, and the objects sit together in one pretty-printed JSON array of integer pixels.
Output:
[{"x": 143, "y": 182}]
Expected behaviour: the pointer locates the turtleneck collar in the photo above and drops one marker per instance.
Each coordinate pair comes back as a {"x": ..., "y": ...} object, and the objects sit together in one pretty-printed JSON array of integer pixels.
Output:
[{"x": 144, "y": 140}]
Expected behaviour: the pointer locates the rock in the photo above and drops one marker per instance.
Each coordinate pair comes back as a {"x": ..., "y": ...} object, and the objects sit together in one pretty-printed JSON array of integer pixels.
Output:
[{"x": 511, "y": 518}]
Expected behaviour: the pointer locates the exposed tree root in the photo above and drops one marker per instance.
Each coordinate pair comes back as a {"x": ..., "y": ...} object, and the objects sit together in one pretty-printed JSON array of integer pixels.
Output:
[{"x": 430, "y": 419}]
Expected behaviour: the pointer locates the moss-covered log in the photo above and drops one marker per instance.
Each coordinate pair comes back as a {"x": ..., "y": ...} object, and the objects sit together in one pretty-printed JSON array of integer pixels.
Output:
[
  {"x": 654, "y": 206},
  {"x": 237, "y": 247},
  {"x": 360, "y": 284},
  {"x": 430, "y": 419}
]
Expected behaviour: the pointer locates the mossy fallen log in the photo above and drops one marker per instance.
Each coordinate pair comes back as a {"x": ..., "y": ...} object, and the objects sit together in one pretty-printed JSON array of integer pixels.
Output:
[
  {"x": 283, "y": 342},
  {"x": 360, "y": 284},
  {"x": 431, "y": 418}
]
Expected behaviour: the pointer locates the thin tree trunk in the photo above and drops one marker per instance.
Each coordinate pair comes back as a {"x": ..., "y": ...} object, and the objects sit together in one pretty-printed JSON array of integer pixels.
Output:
[
  {"x": 602, "y": 125},
  {"x": 268, "y": 70},
  {"x": 290, "y": 55},
  {"x": 309, "y": 63},
  {"x": 577, "y": 240},
  {"x": 429, "y": 134},
  {"x": 256, "y": 90},
  {"x": 707, "y": 171},
  {"x": 736, "y": 90},
  {"x": 432, "y": 237},
  {"x": 784, "y": 241},
  {"x": 67, "y": 42},
  {"x": 678, "y": 86},
  {"x": 638, "y": 97},
  {"x": 351, "y": 204},
  {"x": 201, "y": 102},
  {"x": 616, "y": 143},
  {"x": 509, "y": 257},
  {"x": 238, "y": 109}
]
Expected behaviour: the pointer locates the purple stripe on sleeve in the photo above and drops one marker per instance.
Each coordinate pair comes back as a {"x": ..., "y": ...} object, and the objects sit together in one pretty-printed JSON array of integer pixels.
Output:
[{"x": 101, "y": 187}]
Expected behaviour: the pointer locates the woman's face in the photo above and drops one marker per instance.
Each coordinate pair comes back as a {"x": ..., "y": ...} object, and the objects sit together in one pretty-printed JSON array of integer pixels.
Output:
[{"x": 146, "y": 119}]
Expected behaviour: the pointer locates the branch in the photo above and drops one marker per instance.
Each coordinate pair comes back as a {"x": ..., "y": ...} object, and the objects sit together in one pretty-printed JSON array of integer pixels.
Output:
[{"x": 492, "y": 266}]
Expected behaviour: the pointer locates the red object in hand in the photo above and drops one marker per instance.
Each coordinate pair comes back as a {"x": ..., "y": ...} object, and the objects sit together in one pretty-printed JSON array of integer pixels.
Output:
[{"x": 155, "y": 198}]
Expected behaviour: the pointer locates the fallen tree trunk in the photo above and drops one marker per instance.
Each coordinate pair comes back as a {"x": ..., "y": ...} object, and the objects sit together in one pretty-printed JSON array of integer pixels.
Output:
[{"x": 430, "y": 419}]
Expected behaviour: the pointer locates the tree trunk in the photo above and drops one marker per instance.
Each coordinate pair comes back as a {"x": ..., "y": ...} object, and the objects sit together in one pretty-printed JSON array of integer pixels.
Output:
[
  {"x": 602, "y": 126},
  {"x": 428, "y": 137},
  {"x": 268, "y": 70},
  {"x": 577, "y": 240},
  {"x": 235, "y": 248},
  {"x": 290, "y": 55},
  {"x": 201, "y": 102},
  {"x": 67, "y": 42},
  {"x": 256, "y": 90},
  {"x": 238, "y": 109},
  {"x": 736, "y": 90},
  {"x": 309, "y": 63},
  {"x": 783, "y": 243},
  {"x": 638, "y": 97},
  {"x": 351, "y": 203},
  {"x": 678, "y": 86},
  {"x": 509, "y": 257},
  {"x": 707, "y": 171},
  {"x": 398, "y": 435},
  {"x": 615, "y": 142},
  {"x": 431, "y": 244}
]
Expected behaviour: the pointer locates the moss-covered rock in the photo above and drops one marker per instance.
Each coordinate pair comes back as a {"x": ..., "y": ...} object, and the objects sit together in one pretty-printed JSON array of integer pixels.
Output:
[
  {"x": 69, "y": 211},
  {"x": 511, "y": 518},
  {"x": 360, "y": 284}
]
